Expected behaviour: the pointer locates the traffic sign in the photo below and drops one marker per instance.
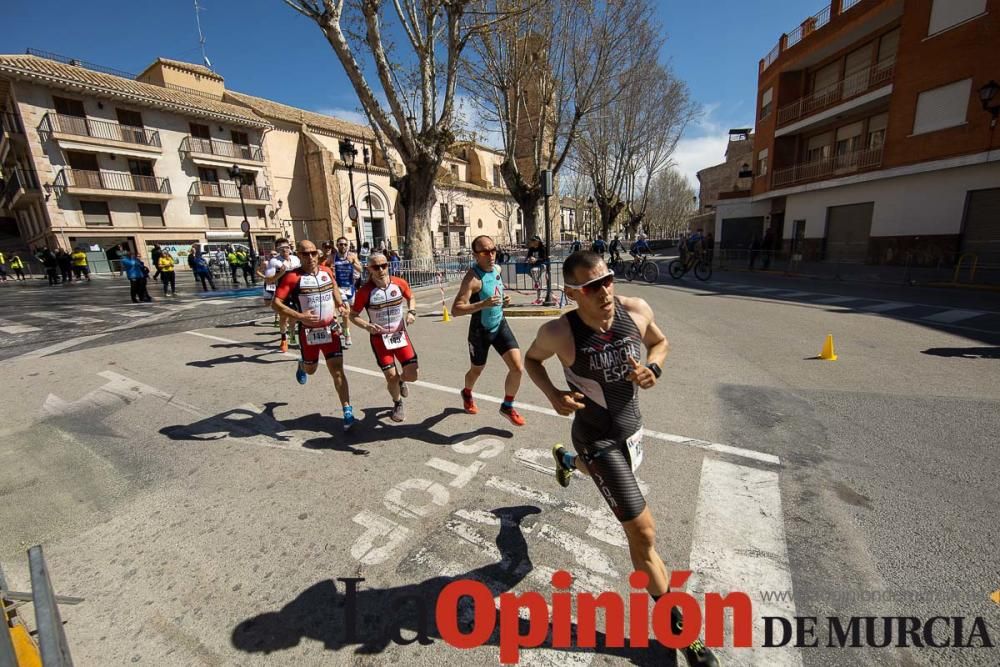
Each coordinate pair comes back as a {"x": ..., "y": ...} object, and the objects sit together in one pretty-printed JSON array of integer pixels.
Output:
[{"x": 245, "y": 226}]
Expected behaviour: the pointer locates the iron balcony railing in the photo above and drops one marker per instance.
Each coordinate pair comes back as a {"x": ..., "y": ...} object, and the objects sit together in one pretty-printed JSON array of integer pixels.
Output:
[
  {"x": 19, "y": 179},
  {"x": 11, "y": 123},
  {"x": 221, "y": 148},
  {"x": 99, "y": 129},
  {"x": 228, "y": 190},
  {"x": 835, "y": 165},
  {"x": 803, "y": 30},
  {"x": 849, "y": 87},
  {"x": 116, "y": 181}
]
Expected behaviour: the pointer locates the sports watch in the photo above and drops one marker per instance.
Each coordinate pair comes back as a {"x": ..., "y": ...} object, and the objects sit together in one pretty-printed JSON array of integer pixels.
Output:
[{"x": 657, "y": 371}]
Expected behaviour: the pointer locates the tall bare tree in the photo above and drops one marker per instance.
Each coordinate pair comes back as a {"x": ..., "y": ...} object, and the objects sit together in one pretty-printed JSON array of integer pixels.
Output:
[
  {"x": 540, "y": 73},
  {"x": 625, "y": 148},
  {"x": 670, "y": 203},
  {"x": 417, "y": 79}
]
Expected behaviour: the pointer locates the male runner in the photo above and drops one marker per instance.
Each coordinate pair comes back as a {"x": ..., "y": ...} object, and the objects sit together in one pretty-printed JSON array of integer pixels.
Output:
[
  {"x": 275, "y": 270},
  {"x": 344, "y": 264},
  {"x": 599, "y": 346},
  {"x": 309, "y": 294},
  {"x": 481, "y": 295},
  {"x": 383, "y": 296}
]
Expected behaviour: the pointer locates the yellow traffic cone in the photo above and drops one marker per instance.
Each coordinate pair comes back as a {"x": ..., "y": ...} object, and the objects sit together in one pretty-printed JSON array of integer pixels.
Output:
[
  {"x": 828, "y": 354},
  {"x": 995, "y": 596},
  {"x": 445, "y": 316}
]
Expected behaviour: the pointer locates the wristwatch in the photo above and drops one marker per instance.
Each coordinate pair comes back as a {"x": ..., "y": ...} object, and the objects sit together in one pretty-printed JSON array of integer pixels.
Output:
[{"x": 657, "y": 371}]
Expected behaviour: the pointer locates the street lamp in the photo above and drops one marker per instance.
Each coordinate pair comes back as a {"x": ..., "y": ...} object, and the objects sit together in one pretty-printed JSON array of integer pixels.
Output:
[
  {"x": 368, "y": 185},
  {"x": 237, "y": 176},
  {"x": 347, "y": 153},
  {"x": 547, "y": 192},
  {"x": 986, "y": 95}
]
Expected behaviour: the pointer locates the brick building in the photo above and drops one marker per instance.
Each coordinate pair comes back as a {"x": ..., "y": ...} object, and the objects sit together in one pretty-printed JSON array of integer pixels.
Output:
[
  {"x": 727, "y": 185},
  {"x": 871, "y": 142}
]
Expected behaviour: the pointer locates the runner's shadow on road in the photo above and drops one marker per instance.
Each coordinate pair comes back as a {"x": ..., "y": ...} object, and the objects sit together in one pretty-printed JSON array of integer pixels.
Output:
[
  {"x": 236, "y": 423},
  {"x": 262, "y": 358},
  {"x": 370, "y": 619},
  {"x": 376, "y": 427}
]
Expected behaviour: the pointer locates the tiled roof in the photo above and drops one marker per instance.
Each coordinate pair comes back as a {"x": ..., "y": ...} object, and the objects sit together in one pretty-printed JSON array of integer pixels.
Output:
[
  {"x": 191, "y": 67},
  {"x": 43, "y": 70},
  {"x": 279, "y": 111}
]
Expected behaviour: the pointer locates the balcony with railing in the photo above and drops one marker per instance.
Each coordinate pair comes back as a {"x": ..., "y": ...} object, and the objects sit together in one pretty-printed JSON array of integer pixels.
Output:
[
  {"x": 111, "y": 183},
  {"x": 216, "y": 152},
  {"x": 829, "y": 167},
  {"x": 226, "y": 192},
  {"x": 20, "y": 188},
  {"x": 849, "y": 88},
  {"x": 70, "y": 131},
  {"x": 11, "y": 130},
  {"x": 802, "y": 31}
]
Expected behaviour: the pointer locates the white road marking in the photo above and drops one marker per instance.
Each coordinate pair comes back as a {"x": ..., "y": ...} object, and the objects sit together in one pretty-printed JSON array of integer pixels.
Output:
[
  {"x": 950, "y": 316},
  {"x": 528, "y": 407},
  {"x": 62, "y": 318},
  {"x": 530, "y": 458},
  {"x": 9, "y": 327},
  {"x": 886, "y": 306},
  {"x": 739, "y": 545},
  {"x": 585, "y": 555}
]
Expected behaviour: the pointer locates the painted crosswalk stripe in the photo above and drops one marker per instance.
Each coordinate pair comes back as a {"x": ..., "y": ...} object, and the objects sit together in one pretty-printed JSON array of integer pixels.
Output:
[
  {"x": 739, "y": 545},
  {"x": 61, "y": 317},
  {"x": 951, "y": 316},
  {"x": 886, "y": 306},
  {"x": 9, "y": 327}
]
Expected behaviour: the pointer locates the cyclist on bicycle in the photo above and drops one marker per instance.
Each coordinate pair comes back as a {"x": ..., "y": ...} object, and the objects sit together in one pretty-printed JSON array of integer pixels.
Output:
[
  {"x": 695, "y": 244},
  {"x": 616, "y": 250}
]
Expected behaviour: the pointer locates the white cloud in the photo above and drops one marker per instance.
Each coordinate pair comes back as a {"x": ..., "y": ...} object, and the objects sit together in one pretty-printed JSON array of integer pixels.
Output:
[
  {"x": 349, "y": 115},
  {"x": 707, "y": 147}
]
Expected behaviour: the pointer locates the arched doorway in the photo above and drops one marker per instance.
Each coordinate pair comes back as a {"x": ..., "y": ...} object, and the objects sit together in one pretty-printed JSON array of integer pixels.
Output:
[{"x": 373, "y": 217}]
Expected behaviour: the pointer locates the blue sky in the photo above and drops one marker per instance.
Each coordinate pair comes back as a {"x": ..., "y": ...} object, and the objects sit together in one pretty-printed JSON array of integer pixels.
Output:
[{"x": 264, "y": 48}]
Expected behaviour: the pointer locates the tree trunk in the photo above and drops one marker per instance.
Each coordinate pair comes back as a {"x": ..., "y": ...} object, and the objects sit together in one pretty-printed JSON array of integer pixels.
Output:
[{"x": 416, "y": 194}]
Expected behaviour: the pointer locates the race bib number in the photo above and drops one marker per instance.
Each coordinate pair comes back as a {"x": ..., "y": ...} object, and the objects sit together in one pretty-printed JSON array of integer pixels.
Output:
[
  {"x": 634, "y": 445},
  {"x": 270, "y": 288},
  {"x": 319, "y": 336},
  {"x": 395, "y": 340}
]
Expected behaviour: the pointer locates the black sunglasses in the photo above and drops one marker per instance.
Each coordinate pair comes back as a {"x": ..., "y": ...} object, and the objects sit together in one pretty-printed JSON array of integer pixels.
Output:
[
  {"x": 310, "y": 253},
  {"x": 380, "y": 267}
]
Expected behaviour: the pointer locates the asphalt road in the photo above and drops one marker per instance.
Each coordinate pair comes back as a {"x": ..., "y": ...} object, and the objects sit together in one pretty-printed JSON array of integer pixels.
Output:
[{"x": 205, "y": 504}]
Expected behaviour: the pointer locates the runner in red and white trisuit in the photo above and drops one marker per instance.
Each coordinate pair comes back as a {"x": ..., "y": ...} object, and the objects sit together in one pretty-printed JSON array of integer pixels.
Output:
[
  {"x": 309, "y": 295},
  {"x": 391, "y": 306}
]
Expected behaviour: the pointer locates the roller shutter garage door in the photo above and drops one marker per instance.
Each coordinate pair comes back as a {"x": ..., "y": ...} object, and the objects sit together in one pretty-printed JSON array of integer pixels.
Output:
[
  {"x": 981, "y": 229},
  {"x": 738, "y": 232},
  {"x": 848, "y": 229}
]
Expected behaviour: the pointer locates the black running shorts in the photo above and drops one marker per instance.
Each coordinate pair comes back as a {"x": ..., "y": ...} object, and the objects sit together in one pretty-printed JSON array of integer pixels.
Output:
[
  {"x": 481, "y": 340},
  {"x": 611, "y": 469}
]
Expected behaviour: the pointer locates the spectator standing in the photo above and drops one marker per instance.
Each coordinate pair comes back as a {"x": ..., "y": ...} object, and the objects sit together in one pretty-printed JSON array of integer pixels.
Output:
[
  {"x": 199, "y": 266},
  {"x": 234, "y": 265},
  {"x": 754, "y": 250},
  {"x": 80, "y": 267},
  {"x": 395, "y": 263},
  {"x": 3, "y": 267},
  {"x": 166, "y": 265},
  {"x": 768, "y": 247},
  {"x": 17, "y": 266},
  {"x": 65, "y": 266},
  {"x": 155, "y": 256},
  {"x": 137, "y": 273},
  {"x": 51, "y": 264}
]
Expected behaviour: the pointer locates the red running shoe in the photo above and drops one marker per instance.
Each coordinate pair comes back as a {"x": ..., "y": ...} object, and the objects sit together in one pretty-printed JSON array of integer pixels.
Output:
[
  {"x": 469, "y": 405},
  {"x": 511, "y": 414}
]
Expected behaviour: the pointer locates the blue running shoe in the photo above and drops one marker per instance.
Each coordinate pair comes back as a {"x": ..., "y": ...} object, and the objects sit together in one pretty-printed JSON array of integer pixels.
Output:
[
  {"x": 300, "y": 374},
  {"x": 349, "y": 420}
]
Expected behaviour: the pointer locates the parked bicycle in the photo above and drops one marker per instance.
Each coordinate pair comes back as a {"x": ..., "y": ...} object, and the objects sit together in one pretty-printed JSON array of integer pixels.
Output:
[
  {"x": 642, "y": 266},
  {"x": 702, "y": 268}
]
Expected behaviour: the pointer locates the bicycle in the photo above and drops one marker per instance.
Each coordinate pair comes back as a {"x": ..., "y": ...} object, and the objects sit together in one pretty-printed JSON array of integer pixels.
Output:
[
  {"x": 642, "y": 266},
  {"x": 702, "y": 269},
  {"x": 616, "y": 263}
]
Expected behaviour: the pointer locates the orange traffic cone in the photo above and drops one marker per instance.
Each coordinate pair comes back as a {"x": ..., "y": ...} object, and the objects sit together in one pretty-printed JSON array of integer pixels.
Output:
[{"x": 828, "y": 354}]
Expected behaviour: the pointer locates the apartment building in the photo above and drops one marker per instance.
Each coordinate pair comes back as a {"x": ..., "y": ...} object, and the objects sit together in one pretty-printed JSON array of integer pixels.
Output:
[
  {"x": 871, "y": 142},
  {"x": 94, "y": 157}
]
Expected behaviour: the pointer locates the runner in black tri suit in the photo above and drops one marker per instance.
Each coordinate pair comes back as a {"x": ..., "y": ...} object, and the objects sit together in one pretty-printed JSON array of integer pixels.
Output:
[{"x": 600, "y": 346}]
